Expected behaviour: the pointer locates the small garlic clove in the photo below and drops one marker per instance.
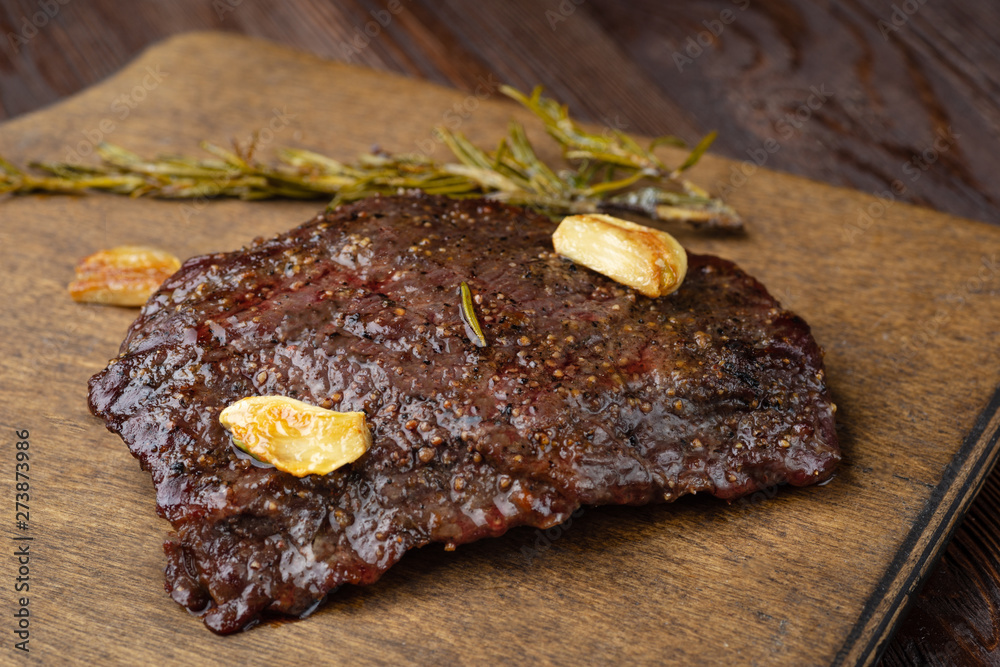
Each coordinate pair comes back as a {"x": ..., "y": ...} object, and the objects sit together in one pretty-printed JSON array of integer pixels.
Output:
[
  {"x": 296, "y": 437},
  {"x": 122, "y": 276},
  {"x": 646, "y": 259}
]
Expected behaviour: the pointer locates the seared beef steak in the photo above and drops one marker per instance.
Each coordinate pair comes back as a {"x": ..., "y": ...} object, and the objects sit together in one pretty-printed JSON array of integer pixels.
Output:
[{"x": 586, "y": 393}]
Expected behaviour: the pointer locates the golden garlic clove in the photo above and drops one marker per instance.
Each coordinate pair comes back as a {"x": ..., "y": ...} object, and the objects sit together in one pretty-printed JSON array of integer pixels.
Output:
[
  {"x": 296, "y": 437},
  {"x": 122, "y": 276},
  {"x": 651, "y": 261}
]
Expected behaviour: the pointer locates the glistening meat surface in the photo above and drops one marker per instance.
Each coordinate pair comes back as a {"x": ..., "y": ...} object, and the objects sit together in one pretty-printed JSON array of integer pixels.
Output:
[{"x": 586, "y": 393}]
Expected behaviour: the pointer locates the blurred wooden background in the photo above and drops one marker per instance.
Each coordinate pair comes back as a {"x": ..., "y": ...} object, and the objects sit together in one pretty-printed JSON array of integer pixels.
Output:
[{"x": 886, "y": 96}]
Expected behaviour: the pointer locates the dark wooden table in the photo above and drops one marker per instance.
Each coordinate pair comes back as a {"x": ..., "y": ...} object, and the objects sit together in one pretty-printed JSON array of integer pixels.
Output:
[{"x": 886, "y": 96}]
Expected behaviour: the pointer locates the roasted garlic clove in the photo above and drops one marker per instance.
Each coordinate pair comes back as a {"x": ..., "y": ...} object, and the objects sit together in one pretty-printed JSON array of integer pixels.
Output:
[
  {"x": 651, "y": 261},
  {"x": 122, "y": 276},
  {"x": 296, "y": 437}
]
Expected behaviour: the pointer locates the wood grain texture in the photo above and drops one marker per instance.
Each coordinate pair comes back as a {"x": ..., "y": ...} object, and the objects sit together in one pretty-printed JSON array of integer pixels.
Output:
[
  {"x": 895, "y": 87},
  {"x": 907, "y": 313},
  {"x": 613, "y": 62}
]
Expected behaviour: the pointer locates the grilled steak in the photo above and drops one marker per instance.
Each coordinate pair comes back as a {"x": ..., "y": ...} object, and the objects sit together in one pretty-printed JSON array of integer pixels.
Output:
[{"x": 586, "y": 393}]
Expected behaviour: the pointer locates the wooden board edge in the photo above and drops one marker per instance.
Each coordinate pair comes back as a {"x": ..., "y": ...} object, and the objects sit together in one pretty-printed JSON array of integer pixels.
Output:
[{"x": 914, "y": 561}]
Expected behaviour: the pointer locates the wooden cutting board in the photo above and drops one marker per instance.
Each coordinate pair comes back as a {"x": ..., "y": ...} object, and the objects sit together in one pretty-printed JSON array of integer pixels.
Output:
[{"x": 904, "y": 300}]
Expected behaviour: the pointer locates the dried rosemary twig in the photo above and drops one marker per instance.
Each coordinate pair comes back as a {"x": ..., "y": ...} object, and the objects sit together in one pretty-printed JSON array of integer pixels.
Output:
[{"x": 607, "y": 172}]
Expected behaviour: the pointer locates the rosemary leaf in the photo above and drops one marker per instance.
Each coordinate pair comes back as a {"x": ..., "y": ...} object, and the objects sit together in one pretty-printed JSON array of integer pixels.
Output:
[
  {"x": 698, "y": 151},
  {"x": 469, "y": 317}
]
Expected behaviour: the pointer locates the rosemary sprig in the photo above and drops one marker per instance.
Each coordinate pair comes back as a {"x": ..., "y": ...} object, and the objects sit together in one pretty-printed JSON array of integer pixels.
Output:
[{"x": 609, "y": 172}]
